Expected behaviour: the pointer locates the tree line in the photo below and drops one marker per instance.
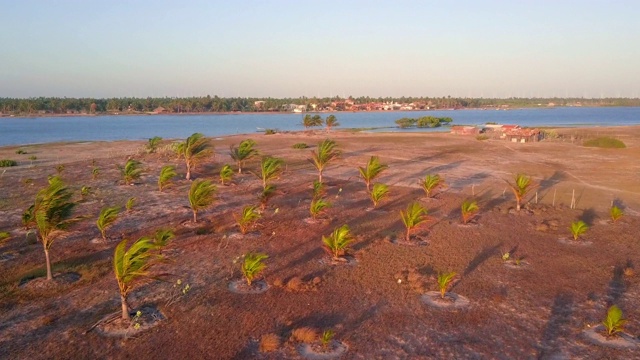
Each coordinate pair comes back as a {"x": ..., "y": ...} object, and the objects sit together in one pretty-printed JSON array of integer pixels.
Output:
[{"x": 202, "y": 104}]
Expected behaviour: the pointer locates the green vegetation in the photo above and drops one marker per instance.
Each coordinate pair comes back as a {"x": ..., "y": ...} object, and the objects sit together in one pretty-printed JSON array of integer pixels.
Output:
[
  {"x": 20, "y": 152},
  {"x": 132, "y": 266},
  {"x": 338, "y": 242},
  {"x": 614, "y": 322},
  {"x": 107, "y": 217},
  {"x": 130, "y": 203},
  {"x": 300, "y": 146},
  {"x": 578, "y": 228},
  {"x": 201, "y": 196},
  {"x": 85, "y": 191},
  {"x": 51, "y": 214},
  {"x": 226, "y": 174},
  {"x": 521, "y": 186},
  {"x": 319, "y": 189},
  {"x": 378, "y": 193},
  {"x": 266, "y": 194},
  {"x": 245, "y": 151},
  {"x": 605, "y": 142},
  {"x": 270, "y": 131},
  {"x": 430, "y": 183},
  {"x": 318, "y": 205},
  {"x": 325, "y": 154},
  {"x": 444, "y": 280},
  {"x": 468, "y": 209},
  {"x": 373, "y": 169},
  {"x": 253, "y": 265},
  {"x": 4, "y": 236},
  {"x": 167, "y": 173},
  {"x": 152, "y": 144},
  {"x": 331, "y": 122},
  {"x": 615, "y": 213},
  {"x": 311, "y": 121},
  {"x": 423, "y": 122},
  {"x": 326, "y": 337},
  {"x": 270, "y": 169},
  {"x": 59, "y": 168},
  {"x": 482, "y": 137},
  {"x": 247, "y": 218},
  {"x": 94, "y": 173},
  {"x": 415, "y": 215},
  {"x": 131, "y": 171},
  {"x": 195, "y": 149},
  {"x": 8, "y": 163}
]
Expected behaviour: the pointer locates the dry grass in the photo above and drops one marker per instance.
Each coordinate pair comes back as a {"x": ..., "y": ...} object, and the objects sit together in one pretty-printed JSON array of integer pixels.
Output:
[
  {"x": 269, "y": 342},
  {"x": 304, "y": 334}
]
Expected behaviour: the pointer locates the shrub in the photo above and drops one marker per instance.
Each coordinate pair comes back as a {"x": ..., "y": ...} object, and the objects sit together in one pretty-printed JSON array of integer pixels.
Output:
[
  {"x": 482, "y": 137},
  {"x": 20, "y": 152},
  {"x": 304, "y": 334},
  {"x": 444, "y": 280},
  {"x": 269, "y": 342},
  {"x": 152, "y": 144},
  {"x": 605, "y": 142},
  {"x": 468, "y": 209},
  {"x": 4, "y": 236},
  {"x": 270, "y": 131},
  {"x": 616, "y": 213},
  {"x": 613, "y": 323},
  {"x": 300, "y": 146},
  {"x": 253, "y": 265},
  {"x": 8, "y": 163},
  {"x": 578, "y": 228},
  {"x": 412, "y": 217},
  {"x": 337, "y": 243}
]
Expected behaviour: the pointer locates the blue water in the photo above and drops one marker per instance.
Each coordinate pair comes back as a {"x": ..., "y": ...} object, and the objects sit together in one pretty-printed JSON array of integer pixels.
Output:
[{"x": 16, "y": 131}]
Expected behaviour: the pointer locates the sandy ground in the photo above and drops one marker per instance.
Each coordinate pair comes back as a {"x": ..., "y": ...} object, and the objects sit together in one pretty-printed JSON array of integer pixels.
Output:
[{"x": 537, "y": 311}]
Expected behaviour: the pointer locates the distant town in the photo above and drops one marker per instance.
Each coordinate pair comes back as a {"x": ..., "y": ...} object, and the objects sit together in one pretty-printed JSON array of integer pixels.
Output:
[{"x": 43, "y": 106}]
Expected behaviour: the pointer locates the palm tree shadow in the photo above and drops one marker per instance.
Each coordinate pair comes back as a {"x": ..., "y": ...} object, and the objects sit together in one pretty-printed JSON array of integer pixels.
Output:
[
  {"x": 617, "y": 286},
  {"x": 557, "y": 326},
  {"x": 588, "y": 216},
  {"x": 481, "y": 257}
]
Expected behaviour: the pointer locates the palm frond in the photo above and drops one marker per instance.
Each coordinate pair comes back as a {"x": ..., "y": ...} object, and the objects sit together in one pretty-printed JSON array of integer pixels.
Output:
[
  {"x": 337, "y": 243},
  {"x": 167, "y": 173}
]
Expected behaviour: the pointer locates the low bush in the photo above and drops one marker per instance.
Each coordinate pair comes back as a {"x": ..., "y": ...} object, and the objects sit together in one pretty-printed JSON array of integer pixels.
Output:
[
  {"x": 605, "y": 142},
  {"x": 300, "y": 146},
  {"x": 482, "y": 137},
  {"x": 7, "y": 163}
]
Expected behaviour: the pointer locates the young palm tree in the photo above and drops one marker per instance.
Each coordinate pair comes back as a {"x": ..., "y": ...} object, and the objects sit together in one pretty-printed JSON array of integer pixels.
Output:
[
  {"x": 243, "y": 152},
  {"x": 226, "y": 174},
  {"x": 412, "y": 217},
  {"x": 430, "y": 183},
  {"x": 163, "y": 236},
  {"x": 614, "y": 323},
  {"x": 153, "y": 143},
  {"x": 247, "y": 219},
  {"x": 616, "y": 213},
  {"x": 194, "y": 150},
  {"x": 253, "y": 265},
  {"x": 326, "y": 153},
  {"x": 130, "y": 203},
  {"x": 95, "y": 172},
  {"x": 578, "y": 228},
  {"x": 270, "y": 169},
  {"x": 131, "y": 171},
  {"x": 444, "y": 279},
  {"x": 167, "y": 173},
  {"x": 378, "y": 193},
  {"x": 266, "y": 195},
  {"x": 107, "y": 217},
  {"x": 319, "y": 189},
  {"x": 521, "y": 186},
  {"x": 201, "y": 196},
  {"x": 468, "y": 210},
  {"x": 337, "y": 243},
  {"x": 373, "y": 169},
  {"x": 51, "y": 214},
  {"x": 318, "y": 206},
  {"x": 132, "y": 266},
  {"x": 330, "y": 122}
]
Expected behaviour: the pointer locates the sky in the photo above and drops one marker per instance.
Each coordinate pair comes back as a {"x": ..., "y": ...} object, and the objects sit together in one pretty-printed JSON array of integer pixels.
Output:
[{"x": 520, "y": 48}]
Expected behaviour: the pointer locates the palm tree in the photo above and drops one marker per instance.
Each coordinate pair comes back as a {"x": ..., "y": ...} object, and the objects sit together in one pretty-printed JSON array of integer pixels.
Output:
[
  {"x": 167, "y": 173},
  {"x": 319, "y": 189},
  {"x": 194, "y": 150},
  {"x": 266, "y": 194},
  {"x": 430, "y": 183},
  {"x": 153, "y": 144},
  {"x": 201, "y": 196},
  {"x": 444, "y": 279},
  {"x": 578, "y": 228},
  {"x": 379, "y": 192},
  {"x": 468, "y": 210},
  {"x": 131, "y": 171},
  {"x": 326, "y": 153},
  {"x": 247, "y": 218},
  {"x": 373, "y": 169},
  {"x": 243, "y": 152},
  {"x": 51, "y": 214},
  {"x": 318, "y": 206},
  {"x": 521, "y": 187},
  {"x": 331, "y": 121},
  {"x": 133, "y": 266},
  {"x": 270, "y": 169},
  {"x": 337, "y": 243},
  {"x": 226, "y": 174},
  {"x": 412, "y": 217},
  {"x": 107, "y": 217},
  {"x": 253, "y": 265}
]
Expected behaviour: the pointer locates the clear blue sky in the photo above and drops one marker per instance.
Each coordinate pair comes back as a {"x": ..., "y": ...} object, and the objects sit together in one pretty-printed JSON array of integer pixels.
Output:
[{"x": 87, "y": 48}]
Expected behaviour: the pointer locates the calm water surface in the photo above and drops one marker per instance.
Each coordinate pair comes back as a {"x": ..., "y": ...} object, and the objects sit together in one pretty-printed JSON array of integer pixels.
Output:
[{"x": 16, "y": 131}]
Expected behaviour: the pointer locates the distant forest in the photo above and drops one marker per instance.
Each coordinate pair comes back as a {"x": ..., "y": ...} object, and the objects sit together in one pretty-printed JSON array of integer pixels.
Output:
[{"x": 52, "y": 105}]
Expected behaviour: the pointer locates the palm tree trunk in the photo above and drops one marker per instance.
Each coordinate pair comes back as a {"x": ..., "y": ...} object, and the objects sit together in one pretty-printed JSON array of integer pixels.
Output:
[
  {"x": 188, "y": 177},
  {"x": 125, "y": 308},
  {"x": 195, "y": 216},
  {"x": 408, "y": 234},
  {"x": 46, "y": 255},
  {"x": 518, "y": 204},
  {"x": 320, "y": 176}
]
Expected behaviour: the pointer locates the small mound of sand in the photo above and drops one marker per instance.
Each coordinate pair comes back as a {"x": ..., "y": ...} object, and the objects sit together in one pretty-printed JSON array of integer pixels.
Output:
[
  {"x": 566, "y": 241},
  {"x": 317, "y": 352},
  {"x": 621, "y": 341},
  {"x": 450, "y": 301},
  {"x": 43, "y": 283},
  {"x": 343, "y": 260},
  {"x": 241, "y": 287},
  {"x": 511, "y": 264},
  {"x": 115, "y": 326}
]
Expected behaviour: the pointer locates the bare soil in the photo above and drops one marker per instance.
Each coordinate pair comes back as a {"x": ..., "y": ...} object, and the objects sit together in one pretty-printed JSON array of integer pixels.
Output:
[{"x": 374, "y": 306}]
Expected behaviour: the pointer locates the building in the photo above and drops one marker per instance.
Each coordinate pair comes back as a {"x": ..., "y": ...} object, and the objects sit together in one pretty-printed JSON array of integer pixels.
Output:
[
  {"x": 523, "y": 135},
  {"x": 465, "y": 130}
]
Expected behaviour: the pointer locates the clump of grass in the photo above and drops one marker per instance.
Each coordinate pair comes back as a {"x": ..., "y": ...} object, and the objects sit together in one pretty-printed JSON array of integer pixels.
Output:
[
  {"x": 130, "y": 203},
  {"x": 269, "y": 342},
  {"x": 270, "y": 131},
  {"x": 616, "y": 213},
  {"x": 482, "y": 137},
  {"x": 300, "y": 146},
  {"x": 8, "y": 163},
  {"x": 605, "y": 142},
  {"x": 4, "y": 236},
  {"x": 20, "y": 152},
  {"x": 304, "y": 334},
  {"x": 326, "y": 338}
]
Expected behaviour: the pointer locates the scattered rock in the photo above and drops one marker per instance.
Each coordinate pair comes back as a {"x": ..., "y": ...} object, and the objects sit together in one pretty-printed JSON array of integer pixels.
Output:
[
  {"x": 294, "y": 284},
  {"x": 317, "y": 280},
  {"x": 542, "y": 227}
]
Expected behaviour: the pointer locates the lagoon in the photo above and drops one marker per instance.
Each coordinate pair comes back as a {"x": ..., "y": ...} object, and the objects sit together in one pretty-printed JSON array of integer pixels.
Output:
[{"x": 22, "y": 131}]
